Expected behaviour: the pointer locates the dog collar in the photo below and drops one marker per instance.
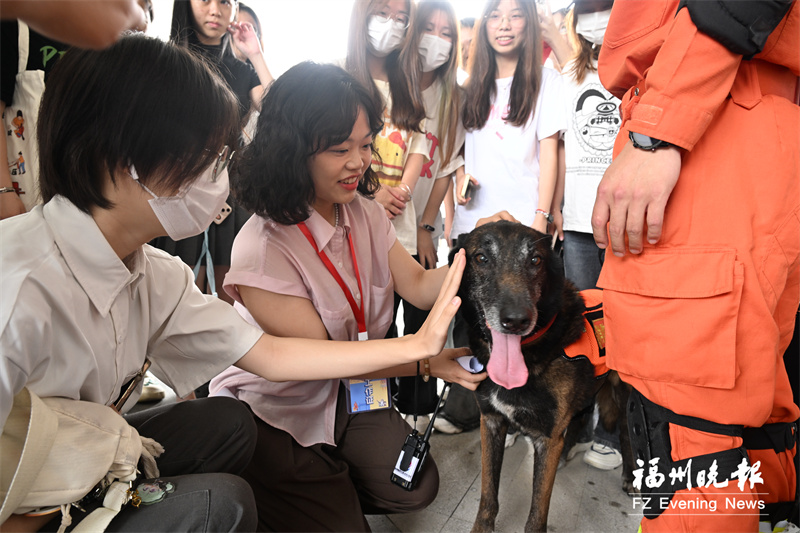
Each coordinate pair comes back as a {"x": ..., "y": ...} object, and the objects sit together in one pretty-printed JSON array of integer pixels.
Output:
[{"x": 533, "y": 337}]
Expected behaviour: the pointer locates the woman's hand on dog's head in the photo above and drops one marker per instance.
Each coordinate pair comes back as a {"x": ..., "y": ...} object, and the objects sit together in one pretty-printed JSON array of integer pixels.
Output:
[
  {"x": 502, "y": 215},
  {"x": 444, "y": 366}
]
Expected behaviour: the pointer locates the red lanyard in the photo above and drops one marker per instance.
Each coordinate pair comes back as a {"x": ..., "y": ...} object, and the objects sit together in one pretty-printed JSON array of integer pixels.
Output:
[{"x": 358, "y": 311}]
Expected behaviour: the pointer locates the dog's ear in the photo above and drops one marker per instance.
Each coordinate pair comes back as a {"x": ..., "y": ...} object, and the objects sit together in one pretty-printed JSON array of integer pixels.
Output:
[{"x": 456, "y": 247}]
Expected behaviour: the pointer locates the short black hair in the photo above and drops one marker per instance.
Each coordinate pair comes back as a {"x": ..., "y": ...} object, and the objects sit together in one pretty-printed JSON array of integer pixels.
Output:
[
  {"x": 140, "y": 102},
  {"x": 310, "y": 108},
  {"x": 467, "y": 22}
]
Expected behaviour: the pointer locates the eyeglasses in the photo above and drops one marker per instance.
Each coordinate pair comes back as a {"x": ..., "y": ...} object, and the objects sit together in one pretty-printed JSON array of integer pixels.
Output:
[
  {"x": 495, "y": 19},
  {"x": 223, "y": 160},
  {"x": 400, "y": 18}
]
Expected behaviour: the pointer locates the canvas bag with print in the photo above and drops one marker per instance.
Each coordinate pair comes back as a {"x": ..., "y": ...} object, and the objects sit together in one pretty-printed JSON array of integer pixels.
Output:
[{"x": 19, "y": 121}]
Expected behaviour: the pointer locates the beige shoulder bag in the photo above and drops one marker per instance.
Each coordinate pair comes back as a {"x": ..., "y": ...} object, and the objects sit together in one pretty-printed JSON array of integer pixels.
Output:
[{"x": 54, "y": 451}]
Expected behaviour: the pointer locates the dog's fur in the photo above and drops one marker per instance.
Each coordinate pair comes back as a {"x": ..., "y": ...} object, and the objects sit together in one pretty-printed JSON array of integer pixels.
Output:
[{"x": 514, "y": 284}]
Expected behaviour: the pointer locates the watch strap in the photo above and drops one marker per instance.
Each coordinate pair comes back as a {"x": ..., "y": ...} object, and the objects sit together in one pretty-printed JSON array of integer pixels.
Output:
[{"x": 644, "y": 142}]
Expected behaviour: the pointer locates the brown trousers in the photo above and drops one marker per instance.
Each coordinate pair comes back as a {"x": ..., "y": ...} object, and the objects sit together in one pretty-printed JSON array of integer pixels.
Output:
[{"x": 330, "y": 488}]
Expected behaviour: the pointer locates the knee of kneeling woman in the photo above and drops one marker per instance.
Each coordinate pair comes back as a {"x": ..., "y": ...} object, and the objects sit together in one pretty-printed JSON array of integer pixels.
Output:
[
  {"x": 425, "y": 492},
  {"x": 232, "y": 439}
]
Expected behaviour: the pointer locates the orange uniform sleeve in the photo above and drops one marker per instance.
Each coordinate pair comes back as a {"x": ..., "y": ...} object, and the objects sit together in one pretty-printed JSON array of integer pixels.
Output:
[{"x": 671, "y": 77}]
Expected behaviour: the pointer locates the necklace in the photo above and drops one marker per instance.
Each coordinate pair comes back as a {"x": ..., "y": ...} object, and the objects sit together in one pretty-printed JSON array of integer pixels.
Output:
[{"x": 336, "y": 222}]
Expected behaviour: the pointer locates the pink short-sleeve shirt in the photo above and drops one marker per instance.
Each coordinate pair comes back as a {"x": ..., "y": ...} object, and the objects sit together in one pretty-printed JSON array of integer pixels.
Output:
[{"x": 278, "y": 258}]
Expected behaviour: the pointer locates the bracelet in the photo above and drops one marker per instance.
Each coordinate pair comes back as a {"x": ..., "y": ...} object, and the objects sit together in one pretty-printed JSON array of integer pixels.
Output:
[
  {"x": 547, "y": 216},
  {"x": 7, "y": 189},
  {"x": 427, "y": 227},
  {"x": 426, "y": 373},
  {"x": 407, "y": 188}
]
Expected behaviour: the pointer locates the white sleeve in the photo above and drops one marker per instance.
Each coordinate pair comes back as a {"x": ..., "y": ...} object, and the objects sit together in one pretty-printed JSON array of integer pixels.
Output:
[
  {"x": 200, "y": 335},
  {"x": 552, "y": 111}
]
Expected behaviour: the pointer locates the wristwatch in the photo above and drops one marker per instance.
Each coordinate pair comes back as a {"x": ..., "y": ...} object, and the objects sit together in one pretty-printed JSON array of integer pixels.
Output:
[
  {"x": 643, "y": 142},
  {"x": 427, "y": 227},
  {"x": 7, "y": 189}
]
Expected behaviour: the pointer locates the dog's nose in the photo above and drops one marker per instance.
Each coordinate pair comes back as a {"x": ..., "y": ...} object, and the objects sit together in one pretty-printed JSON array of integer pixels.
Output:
[{"x": 515, "y": 320}]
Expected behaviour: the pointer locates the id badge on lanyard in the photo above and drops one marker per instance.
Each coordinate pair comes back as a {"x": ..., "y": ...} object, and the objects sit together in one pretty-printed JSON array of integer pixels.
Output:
[{"x": 362, "y": 394}]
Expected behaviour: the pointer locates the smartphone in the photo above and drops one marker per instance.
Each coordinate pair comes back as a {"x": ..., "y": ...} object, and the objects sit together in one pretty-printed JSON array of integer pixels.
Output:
[
  {"x": 223, "y": 213},
  {"x": 466, "y": 189}
]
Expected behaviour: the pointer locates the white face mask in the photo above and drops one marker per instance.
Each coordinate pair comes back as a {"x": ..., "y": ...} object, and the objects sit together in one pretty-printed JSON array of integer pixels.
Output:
[
  {"x": 195, "y": 206},
  {"x": 592, "y": 26},
  {"x": 435, "y": 51},
  {"x": 385, "y": 35}
]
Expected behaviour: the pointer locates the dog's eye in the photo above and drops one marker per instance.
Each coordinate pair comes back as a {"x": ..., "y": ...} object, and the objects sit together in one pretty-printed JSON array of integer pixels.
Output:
[
  {"x": 535, "y": 260},
  {"x": 481, "y": 259}
]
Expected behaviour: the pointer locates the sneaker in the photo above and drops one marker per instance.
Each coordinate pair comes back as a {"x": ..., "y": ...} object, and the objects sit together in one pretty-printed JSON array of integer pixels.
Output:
[
  {"x": 151, "y": 391},
  {"x": 602, "y": 457},
  {"x": 422, "y": 422},
  {"x": 578, "y": 448},
  {"x": 443, "y": 425},
  {"x": 511, "y": 438}
]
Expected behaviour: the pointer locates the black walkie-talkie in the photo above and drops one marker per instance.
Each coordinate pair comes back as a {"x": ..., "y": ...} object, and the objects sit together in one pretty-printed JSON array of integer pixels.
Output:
[{"x": 415, "y": 451}]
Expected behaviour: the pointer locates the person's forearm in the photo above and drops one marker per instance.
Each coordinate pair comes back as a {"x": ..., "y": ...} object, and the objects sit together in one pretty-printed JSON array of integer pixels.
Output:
[
  {"x": 290, "y": 359},
  {"x": 558, "y": 193},
  {"x": 440, "y": 188},
  {"x": 84, "y": 23},
  {"x": 411, "y": 171},
  {"x": 562, "y": 50},
  {"x": 548, "y": 170},
  {"x": 262, "y": 70}
]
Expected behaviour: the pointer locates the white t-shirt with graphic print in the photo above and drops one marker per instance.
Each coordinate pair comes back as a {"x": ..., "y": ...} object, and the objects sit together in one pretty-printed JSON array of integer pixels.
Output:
[{"x": 594, "y": 121}]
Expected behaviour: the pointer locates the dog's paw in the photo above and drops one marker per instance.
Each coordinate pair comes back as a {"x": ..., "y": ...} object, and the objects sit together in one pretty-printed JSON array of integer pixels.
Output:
[{"x": 627, "y": 486}]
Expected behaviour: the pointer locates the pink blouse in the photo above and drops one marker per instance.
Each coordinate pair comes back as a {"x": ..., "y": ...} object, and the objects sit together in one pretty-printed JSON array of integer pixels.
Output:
[{"x": 278, "y": 258}]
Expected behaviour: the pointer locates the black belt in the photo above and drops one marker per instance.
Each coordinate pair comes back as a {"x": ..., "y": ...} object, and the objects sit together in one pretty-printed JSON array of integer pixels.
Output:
[{"x": 648, "y": 425}]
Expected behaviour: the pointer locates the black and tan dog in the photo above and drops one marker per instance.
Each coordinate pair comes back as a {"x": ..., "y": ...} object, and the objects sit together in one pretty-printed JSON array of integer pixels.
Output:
[{"x": 544, "y": 354}]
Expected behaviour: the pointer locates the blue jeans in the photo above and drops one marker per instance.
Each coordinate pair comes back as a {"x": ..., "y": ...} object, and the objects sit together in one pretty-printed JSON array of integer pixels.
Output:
[
  {"x": 582, "y": 259},
  {"x": 582, "y": 263}
]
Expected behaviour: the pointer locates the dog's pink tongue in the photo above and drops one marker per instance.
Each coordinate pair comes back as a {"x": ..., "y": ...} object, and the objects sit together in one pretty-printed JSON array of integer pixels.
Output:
[{"x": 506, "y": 365}]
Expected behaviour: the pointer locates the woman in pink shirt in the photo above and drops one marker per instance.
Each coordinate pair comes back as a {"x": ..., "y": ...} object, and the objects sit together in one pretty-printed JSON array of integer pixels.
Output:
[{"x": 320, "y": 259}]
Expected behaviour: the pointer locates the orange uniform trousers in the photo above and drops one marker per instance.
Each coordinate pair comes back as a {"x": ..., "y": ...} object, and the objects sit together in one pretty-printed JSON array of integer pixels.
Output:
[{"x": 699, "y": 322}]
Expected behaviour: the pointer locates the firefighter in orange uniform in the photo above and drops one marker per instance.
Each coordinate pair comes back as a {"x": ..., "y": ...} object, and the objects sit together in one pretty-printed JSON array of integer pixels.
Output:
[{"x": 701, "y": 211}]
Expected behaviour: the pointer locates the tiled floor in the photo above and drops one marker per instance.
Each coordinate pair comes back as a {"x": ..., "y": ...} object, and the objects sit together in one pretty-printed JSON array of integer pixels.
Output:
[{"x": 584, "y": 499}]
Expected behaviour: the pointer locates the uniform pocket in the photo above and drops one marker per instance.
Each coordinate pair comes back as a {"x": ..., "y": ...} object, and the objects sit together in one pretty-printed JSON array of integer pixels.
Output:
[{"x": 671, "y": 315}]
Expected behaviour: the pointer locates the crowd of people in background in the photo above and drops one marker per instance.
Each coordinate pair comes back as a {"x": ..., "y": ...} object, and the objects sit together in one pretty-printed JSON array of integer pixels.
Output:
[{"x": 344, "y": 181}]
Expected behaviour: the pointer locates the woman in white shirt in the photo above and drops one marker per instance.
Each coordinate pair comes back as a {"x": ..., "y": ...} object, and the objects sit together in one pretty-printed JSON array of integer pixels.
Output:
[{"x": 513, "y": 116}]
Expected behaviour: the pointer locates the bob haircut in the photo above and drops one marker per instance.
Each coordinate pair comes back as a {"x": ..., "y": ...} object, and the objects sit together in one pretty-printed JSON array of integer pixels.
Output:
[
  {"x": 307, "y": 110},
  {"x": 480, "y": 88},
  {"x": 103, "y": 110}
]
